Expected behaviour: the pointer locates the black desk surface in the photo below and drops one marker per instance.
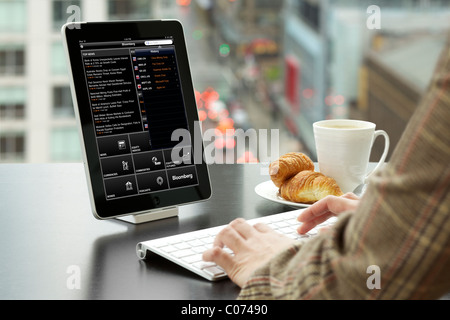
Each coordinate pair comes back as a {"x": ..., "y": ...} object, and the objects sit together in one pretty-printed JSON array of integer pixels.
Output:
[{"x": 49, "y": 237}]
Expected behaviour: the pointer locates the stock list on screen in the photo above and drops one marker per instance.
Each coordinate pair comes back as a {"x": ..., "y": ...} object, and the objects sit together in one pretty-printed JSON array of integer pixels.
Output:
[{"x": 136, "y": 103}]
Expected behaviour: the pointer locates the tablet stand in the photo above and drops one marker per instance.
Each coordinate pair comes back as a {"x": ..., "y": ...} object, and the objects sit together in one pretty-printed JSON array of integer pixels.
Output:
[{"x": 151, "y": 215}]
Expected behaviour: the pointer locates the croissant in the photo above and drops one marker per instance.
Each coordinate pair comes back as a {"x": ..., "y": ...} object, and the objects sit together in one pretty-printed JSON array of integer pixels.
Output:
[
  {"x": 289, "y": 165},
  {"x": 308, "y": 187}
]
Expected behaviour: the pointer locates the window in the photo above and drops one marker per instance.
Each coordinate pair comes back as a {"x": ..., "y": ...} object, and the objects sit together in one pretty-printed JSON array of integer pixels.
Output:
[
  {"x": 58, "y": 60},
  {"x": 129, "y": 9},
  {"x": 12, "y": 16},
  {"x": 12, "y": 111},
  {"x": 59, "y": 11},
  {"x": 62, "y": 102},
  {"x": 12, "y": 103},
  {"x": 12, "y": 147},
  {"x": 12, "y": 61},
  {"x": 310, "y": 12},
  {"x": 65, "y": 144}
]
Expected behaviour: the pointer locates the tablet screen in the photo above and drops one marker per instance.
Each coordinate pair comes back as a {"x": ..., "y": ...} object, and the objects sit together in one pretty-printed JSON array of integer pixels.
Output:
[
  {"x": 136, "y": 103},
  {"x": 133, "y": 92}
]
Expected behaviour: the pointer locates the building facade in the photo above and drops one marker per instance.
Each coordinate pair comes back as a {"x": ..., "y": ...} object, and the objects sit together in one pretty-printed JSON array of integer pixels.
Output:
[{"x": 37, "y": 121}]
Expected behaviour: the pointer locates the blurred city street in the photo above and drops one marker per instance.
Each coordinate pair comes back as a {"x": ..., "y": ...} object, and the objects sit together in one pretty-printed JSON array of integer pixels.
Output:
[{"x": 225, "y": 99}]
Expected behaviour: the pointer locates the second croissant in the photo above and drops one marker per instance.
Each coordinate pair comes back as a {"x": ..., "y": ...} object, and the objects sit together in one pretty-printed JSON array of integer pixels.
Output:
[{"x": 308, "y": 187}]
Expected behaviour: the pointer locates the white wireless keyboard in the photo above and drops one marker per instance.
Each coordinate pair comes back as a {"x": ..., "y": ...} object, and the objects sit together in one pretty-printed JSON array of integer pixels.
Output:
[{"x": 186, "y": 249}]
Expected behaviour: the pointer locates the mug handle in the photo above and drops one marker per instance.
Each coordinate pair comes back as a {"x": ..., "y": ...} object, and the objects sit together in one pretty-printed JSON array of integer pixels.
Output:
[{"x": 376, "y": 134}]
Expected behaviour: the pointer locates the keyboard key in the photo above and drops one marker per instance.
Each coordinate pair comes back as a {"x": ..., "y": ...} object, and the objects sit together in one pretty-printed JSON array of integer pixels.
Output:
[
  {"x": 203, "y": 264},
  {"x": 293, "y": 222},
  {"x": 159, "y": 243},
  {"x": 192, "y": 259},
  {"x": 182, "y": 253},
  {"x": 182, "y": 245},
  {"x": 199, "y": 249},
  {"x": 173, "y": 240},
  {"x": 168, "y": 249},
  {"x": 208, "y": 240},
  {"x": 214, "y": 271},
  {"x": 281, "y": 224},
  {"x": 275, "y": 218},
  {"x": 286, "y": 230},
  {"x": 189, "y": 236},
  {"x": 195, "y": 243}
]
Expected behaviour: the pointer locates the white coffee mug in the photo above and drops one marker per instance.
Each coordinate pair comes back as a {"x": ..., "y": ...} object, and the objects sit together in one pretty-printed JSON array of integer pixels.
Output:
[{"x": 343, "y": 149}]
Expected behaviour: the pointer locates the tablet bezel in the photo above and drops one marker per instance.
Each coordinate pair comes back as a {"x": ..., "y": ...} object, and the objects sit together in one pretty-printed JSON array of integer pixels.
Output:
[{"x": 118, "y": 31}]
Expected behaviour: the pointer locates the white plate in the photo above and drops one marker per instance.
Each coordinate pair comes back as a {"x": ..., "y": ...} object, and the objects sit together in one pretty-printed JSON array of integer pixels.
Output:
[{"x": 269, "y": 191}]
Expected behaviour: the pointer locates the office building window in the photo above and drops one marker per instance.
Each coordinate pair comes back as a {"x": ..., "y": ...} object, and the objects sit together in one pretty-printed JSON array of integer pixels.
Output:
[
  {"x": 129, "y": 9},
  {"x": 58, "y": 60},
  {"x": 12, "y": 103},
  {"x": 59, "y": 12},
  {"x": 309, "y": 11},
  {"x": 65, "y": 144},
  {"x": 12, "y": 147},
  {"x": 62, "y": 102},
  {"x": 12, "y": 111},
  {"x": 12, "y": 61},
  {"x": 12, "y": 16}
]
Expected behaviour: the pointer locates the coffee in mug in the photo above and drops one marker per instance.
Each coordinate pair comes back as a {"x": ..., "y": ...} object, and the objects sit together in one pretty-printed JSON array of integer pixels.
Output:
[{"x": 343, "y": 149}]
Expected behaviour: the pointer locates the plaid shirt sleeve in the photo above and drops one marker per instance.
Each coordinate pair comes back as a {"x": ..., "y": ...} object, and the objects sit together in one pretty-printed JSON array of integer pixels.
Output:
[{"x": 397, "y": 243}]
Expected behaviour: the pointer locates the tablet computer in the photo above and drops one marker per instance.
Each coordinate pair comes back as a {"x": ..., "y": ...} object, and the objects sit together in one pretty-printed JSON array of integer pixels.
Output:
[{"x": 132, "y": 89}]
